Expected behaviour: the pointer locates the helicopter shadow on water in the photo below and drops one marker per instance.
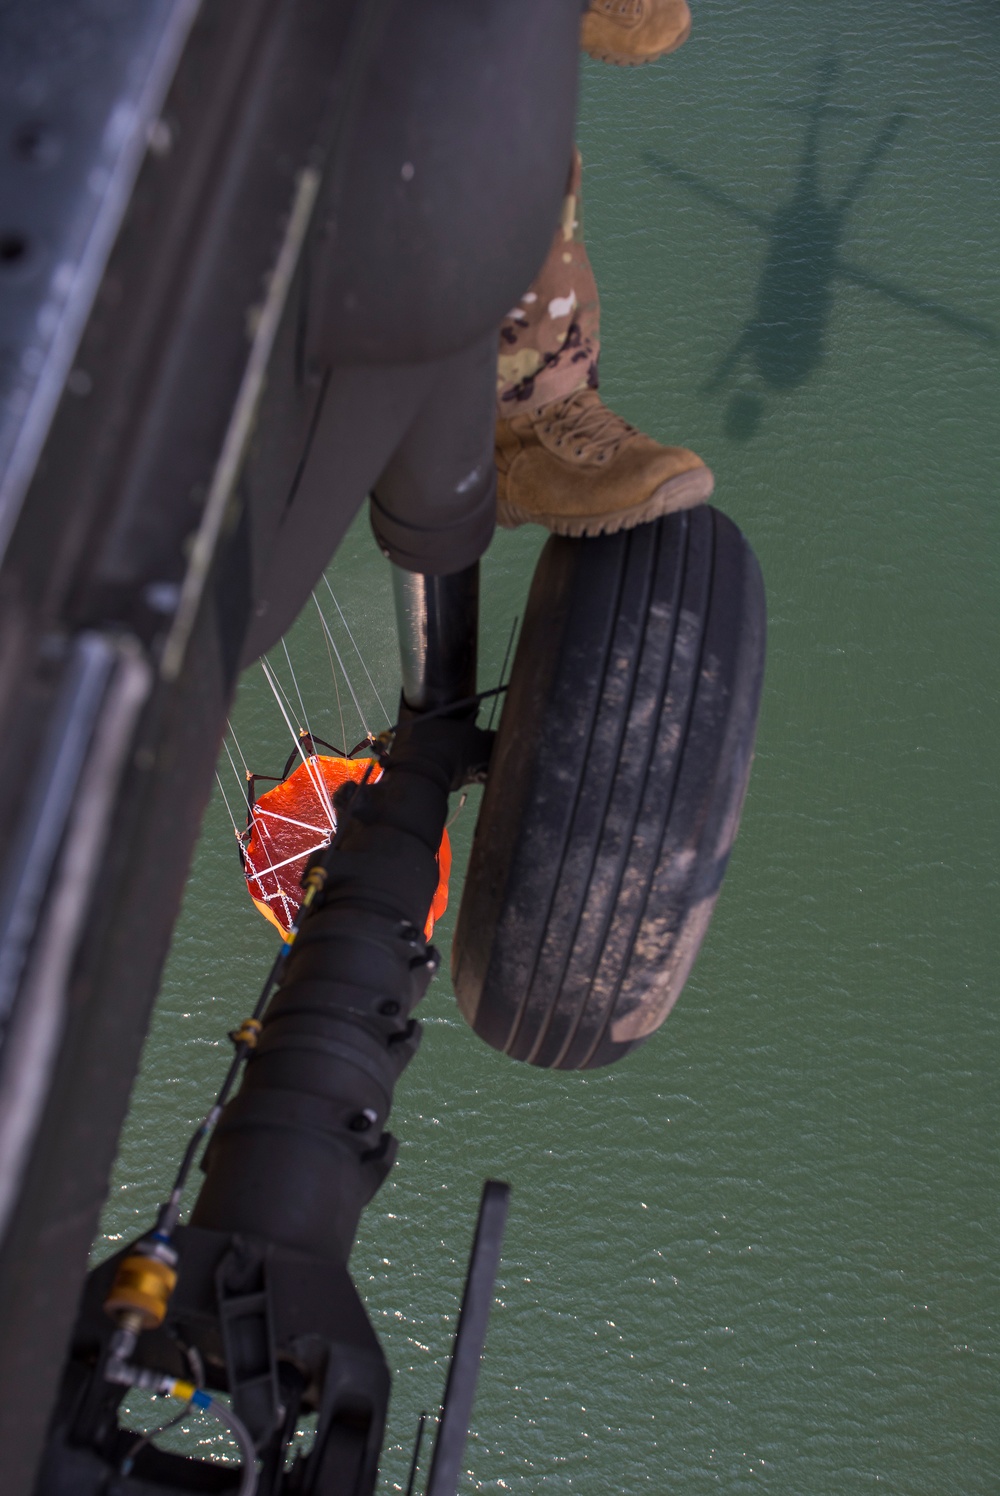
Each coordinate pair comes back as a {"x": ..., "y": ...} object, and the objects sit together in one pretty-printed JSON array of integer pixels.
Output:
[{"x": 784, "y": 338}]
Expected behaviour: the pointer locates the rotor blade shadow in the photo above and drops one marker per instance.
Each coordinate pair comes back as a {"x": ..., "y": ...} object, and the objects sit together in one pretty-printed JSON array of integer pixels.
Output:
[
  {"x": 974, "y": 327},
  {"x": 710, "y": 193}
]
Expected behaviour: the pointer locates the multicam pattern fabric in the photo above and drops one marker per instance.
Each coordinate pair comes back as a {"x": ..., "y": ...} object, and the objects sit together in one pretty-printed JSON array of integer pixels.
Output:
[{"x": 550, "y": 341}]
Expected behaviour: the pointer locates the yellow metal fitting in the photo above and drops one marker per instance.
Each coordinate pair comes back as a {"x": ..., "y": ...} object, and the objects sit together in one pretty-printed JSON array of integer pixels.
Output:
[
  {"x": 315, "y": 879},
  {"x": 141, "y": 1291},
  {"x": 247, "y": 1033}
]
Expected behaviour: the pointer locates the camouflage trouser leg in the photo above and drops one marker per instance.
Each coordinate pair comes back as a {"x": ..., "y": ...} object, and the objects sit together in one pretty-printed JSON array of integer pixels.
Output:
[{"x": 550, "y": 341}]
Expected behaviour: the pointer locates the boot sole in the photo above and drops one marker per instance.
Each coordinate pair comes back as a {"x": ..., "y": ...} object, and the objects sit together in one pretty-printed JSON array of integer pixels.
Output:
[
  {"x": 683, "y": 492},
  {"x": 628, "y": 60}
]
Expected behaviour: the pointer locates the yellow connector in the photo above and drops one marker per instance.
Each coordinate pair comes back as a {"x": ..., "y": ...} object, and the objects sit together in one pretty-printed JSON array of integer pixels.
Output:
[
  {"x": 141, "y": 1291},
  {"x": 248, "y": 1033}
]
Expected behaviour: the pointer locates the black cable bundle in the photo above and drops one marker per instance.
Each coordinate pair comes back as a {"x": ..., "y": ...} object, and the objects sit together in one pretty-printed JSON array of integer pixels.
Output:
[{"x": 301, "y": 1149}]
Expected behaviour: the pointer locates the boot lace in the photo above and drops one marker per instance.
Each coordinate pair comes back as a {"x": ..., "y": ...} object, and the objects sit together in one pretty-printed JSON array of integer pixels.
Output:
[
  {"x": 589, "y": 429},
  {"x": 629, "y": 10}
]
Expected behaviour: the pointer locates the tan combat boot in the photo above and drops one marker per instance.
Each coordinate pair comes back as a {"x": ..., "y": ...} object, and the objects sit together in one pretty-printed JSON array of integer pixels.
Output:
[
  {"x": 578, "y": 469},
  {"x": 630, "y": 32}
]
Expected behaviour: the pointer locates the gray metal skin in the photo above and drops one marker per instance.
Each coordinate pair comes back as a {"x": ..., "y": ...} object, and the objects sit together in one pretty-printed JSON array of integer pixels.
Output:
[
  {"x": 77, "y": 112},
  {"x": 233, "y": 314}
]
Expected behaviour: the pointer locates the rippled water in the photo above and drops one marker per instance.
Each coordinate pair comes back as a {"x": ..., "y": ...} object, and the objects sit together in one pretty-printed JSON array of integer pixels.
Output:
[{"x": 760, "y": 1254}]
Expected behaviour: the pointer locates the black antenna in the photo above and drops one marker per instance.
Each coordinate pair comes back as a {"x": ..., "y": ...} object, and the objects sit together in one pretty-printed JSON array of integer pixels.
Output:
[
  {"x": 503, "y": 671},
  {"x": 416, "y": 1453},
  {"x": 470, "y": 1337}
]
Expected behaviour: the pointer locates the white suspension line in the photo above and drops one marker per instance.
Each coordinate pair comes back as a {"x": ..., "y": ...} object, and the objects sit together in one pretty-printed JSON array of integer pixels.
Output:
[
  {"x": 239, "y": 750},
  {"x": 225, "y": 801},
  {"x": 244, "y": 784},
  {"x": 295, "y": 683},
  {"x": 273, "y": 867},
  {"x": 255, "y": 822},
  {"x": 357, "y": 651},
  {"x": 279, "y": 892},
  {"x": 315, "y": 777},
  {"x": 266, "y": 837},
  {"x": 284, "y": 693},
  {"x": 275, "y": 815},
  {"x": 326, "y": 629},
  {"x": 315, "y": 774},
  {"x": 336, "y": 687}
]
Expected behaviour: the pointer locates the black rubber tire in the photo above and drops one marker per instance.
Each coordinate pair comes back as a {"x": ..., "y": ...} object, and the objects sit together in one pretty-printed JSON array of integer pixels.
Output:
[{"x": 615, "y": 789}]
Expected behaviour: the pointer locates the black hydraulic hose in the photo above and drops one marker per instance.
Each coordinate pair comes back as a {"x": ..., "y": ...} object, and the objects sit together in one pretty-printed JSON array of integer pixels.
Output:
[
  {"x": 450, "y": 741},
  {"x": 244, "y": 1038},
  {"x": 301, "y": 1149}
]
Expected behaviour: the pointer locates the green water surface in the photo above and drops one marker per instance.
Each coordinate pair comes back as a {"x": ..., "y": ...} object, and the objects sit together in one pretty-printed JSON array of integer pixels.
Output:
[{"x": 761, "y": 1253}]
